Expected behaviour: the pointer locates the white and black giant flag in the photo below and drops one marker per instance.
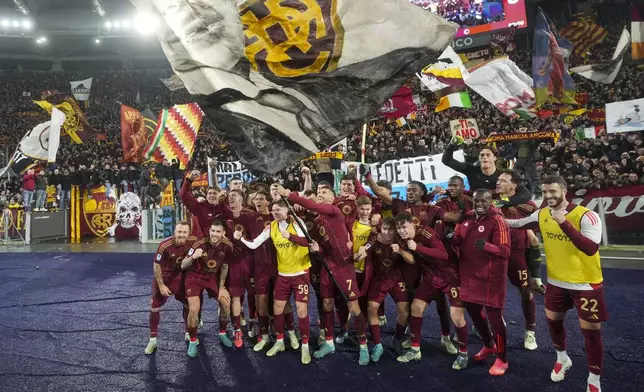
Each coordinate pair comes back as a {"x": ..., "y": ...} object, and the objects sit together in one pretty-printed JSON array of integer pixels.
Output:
[
  {"x": 284, "y": 79},
  {"x": 607, "y": 71},
  {"x": 81, "y": 89},
  {"x": 39, "y": 144}
]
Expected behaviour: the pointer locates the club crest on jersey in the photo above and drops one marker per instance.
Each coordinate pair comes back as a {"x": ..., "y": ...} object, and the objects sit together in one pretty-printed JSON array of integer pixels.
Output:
[
  {"x": 346, "y": 209},
  {"x": 239, "y": 228},
  {"x": 309, "y": 226},
  {"x": 211, "y": 264},
  {"x": 386, "y": 263},
  {"x": 423, "y": 214},
  {"x": 322, "y": 232},
  {"x": 481, "y": 229}
]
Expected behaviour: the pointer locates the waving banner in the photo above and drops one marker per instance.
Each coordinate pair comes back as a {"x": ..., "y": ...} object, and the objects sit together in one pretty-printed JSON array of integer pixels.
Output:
[{"x": 282, "y": 80}]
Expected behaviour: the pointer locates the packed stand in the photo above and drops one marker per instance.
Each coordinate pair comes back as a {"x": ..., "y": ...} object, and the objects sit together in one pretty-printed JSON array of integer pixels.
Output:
[{"x": 611, "y": 160}]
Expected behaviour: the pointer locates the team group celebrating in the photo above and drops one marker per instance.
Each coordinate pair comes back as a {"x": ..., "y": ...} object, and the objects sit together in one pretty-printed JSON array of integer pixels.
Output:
[{"x": 355, "y": 248}]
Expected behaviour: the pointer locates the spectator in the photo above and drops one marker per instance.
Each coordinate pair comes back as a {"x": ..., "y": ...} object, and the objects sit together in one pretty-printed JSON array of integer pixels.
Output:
[
  {"x": 28, "y": 186},
  {"x": 41, "y": 191}
]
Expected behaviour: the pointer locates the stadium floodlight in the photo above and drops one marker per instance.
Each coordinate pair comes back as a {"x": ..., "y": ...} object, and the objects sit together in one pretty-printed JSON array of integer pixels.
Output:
[
  {"x": 146, "y": 23},
  {"x": 125, "y": 24},
  {"x": 5, "y": 23},
  {"x": 116, "y": 24},
  {"x": 16, "y": 23},
  {"x": 41, "y": 40},
  {"x": 26, "y": 24},
  {"x": 108, "y": 25},
  {"x": 97, "y": 41}
]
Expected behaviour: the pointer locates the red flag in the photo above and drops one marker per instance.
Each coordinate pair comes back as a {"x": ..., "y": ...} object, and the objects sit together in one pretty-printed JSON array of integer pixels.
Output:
[
  {"x": 399, "y": 105},
  {"x": 134, "y": 136}
]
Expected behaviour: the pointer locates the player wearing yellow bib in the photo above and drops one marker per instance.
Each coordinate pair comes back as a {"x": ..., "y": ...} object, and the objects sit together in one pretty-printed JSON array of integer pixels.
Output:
[
  {"x": 571, "y": 237},
  {"x": 293, "y": 265}
]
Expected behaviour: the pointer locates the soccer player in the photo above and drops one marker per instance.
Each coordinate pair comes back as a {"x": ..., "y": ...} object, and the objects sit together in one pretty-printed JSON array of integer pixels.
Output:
[
  {"x": 483, "y": 176},
  {"x": 317, "y": 233},
  {"x": 241, "y": 270},
  {"x": 293, "y": 263},
  {"x": 361, "y": 230},
  {"x": 265, "y": 269},
  {"x": 387, "y": 279},
  {"x": 168, "y": 277},
  {"x": 205, "y": 212},
  {"x": 425, "y": 215},
  {"x": 422, "y": 246},
  {"x": 207, "y": 269},
  {"x": 571, "y": 237},
  {"x": 518, "y": 274},
  {"x": 483, "y": 238},
  {"x": 341, "y": 264},
  {"x": 456, "y": 200}
]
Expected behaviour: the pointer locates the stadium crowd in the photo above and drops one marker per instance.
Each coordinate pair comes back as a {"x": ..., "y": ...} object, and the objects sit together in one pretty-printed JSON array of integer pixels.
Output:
[{"x": 607, "y": 161}]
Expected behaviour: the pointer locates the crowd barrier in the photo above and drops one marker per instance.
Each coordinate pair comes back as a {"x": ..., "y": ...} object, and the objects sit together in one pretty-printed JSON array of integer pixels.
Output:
[{"x": 20, "y": 228}]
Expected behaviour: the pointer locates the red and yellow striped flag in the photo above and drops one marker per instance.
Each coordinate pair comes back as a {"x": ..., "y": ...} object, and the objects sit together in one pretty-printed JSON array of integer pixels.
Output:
[
  {"x": 175, "y": 135},
  {"x": 584, "y": 34}
]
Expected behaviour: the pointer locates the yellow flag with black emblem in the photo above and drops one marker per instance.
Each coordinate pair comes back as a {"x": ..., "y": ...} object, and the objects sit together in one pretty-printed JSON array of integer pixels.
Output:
[
  {"x": 76, "y": 124},
  {"x": 284, "y": 79}
]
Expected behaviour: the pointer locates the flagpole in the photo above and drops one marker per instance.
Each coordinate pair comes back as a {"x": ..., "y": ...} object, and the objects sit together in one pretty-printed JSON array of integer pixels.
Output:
[{"x": 364, "y": 143}]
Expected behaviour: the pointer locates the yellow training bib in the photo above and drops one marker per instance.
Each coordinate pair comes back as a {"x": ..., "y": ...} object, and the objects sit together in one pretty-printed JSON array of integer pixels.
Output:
[
  {"x": 565, "y": 262},
  {"x": 361, "y": 234},
  {"x": 291, "y": 258}
]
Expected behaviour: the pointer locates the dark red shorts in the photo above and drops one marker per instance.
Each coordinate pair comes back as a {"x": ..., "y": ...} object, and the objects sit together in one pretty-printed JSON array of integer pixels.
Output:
[
  {"x": 264, "y": 280},
  {"x": 240, "y": 278},
  {"x": 175, "y": 282},
  {"x": 285, "y": 285},
  {"x": 430, "y": 288},
  {"x": 518, "y": 269},
  {"x": 383, "y": 285},
  {"x": 197, "y": 282},
  {"x": 590, "y": 304},
  {"x": 345, "y": 276}
]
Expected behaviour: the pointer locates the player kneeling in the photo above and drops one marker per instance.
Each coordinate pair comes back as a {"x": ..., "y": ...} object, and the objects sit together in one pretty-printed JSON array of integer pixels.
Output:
[
  {"x": 387, "y": 279},
  {"x": 207, "y": 265}
]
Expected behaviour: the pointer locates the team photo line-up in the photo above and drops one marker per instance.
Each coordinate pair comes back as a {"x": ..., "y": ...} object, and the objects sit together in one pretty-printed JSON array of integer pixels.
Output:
[{"x": 354, "y": 248}]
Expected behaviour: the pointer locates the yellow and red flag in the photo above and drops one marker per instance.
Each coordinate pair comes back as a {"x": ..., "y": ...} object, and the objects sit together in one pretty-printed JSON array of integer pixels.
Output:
[{"x": 175, "y": 135}]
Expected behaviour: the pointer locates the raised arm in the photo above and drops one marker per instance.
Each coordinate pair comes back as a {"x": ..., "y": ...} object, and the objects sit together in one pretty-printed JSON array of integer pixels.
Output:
[
  {"x": 258, "y": 241},
  {"x": 529, "y": 222},
  {"x": 308, "y": 182},
  {"x": 186, "y": 196},
  {"x": 378, "y": 191},
  {"x": 449, "y": 161},
  {"x": 589, "y": 237},
  {"x": 325, "y": 209}
]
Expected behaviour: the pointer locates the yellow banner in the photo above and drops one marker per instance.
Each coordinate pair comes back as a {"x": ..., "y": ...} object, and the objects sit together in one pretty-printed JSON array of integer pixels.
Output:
[{"x": 328, "y": 154}]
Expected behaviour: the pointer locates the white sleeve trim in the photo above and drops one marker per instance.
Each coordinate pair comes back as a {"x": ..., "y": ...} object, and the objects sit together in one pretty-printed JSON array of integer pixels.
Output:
[
  {"x": 519, "y": 223},
  {"x": 591, "y": 227},
  {"x": 257, "y": 242}
]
